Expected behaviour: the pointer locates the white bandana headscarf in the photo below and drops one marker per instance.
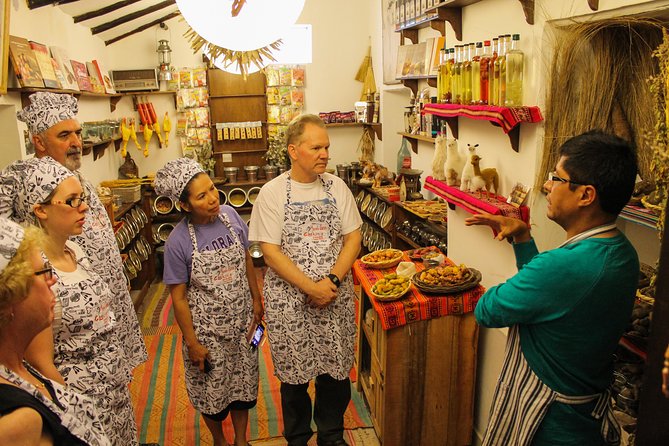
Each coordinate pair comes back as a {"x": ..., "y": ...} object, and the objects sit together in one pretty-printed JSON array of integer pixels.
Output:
[
  {"x": 11, "y": 236},
  {"x": 31, "y": 181},
  {"x": 172, "y": 179},
  {"x": 47, "y": 109}
]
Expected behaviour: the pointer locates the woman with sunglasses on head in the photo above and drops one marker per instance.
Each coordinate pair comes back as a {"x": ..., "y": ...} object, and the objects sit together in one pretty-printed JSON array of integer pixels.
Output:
[
  {"x": 84, "y": 344},
  {"x": 216, "y": 298},
  {"x": 34, "y": 410}
]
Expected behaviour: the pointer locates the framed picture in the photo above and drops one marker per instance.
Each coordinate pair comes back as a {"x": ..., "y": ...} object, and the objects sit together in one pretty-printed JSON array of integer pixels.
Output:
[
  {"x": 4, "y": 44},
  {"x": 391, "y": 39}
]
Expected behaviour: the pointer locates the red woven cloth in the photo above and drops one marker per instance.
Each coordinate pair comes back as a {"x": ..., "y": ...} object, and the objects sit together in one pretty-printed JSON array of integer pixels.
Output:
[
  {"x": 494, "y": 204},
  {"x": 505, "y": 117},
  {"x": 414, "y": 306}
]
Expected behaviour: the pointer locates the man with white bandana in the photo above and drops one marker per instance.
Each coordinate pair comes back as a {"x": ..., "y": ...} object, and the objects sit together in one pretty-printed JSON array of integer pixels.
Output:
[{"x": 51, "y": 120}]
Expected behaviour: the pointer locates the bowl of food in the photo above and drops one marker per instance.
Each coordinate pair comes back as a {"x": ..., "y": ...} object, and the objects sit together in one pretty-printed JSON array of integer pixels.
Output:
[
  {"x": 446, "y": 279},
  {"x": 417, "y": 254},
  {"x": 253, "y": 194},
  {"x": 237, "y": 197},
  {"x": 382, "y": 258},
  {"x": 390, "y": 287},
  {"x": 163, "y": 204}
]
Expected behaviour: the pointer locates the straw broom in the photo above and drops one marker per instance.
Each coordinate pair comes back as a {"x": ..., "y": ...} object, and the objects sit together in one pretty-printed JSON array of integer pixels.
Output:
[
  {"x": 361, "y": 75},
  {"x": 369, "y": 86}
]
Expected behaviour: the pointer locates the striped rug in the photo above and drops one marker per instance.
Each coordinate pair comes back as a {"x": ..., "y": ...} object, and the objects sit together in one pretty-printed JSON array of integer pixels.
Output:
[{"x": 164, "y": 413}]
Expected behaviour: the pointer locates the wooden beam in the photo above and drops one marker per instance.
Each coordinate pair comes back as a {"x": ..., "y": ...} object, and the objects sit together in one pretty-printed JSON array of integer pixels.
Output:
[
  {"x": 132, "y": 16},
  {"x": 102, "y": 11},
  {"x": 34, "y": 4},
  {"x": 143, "y": 27}
]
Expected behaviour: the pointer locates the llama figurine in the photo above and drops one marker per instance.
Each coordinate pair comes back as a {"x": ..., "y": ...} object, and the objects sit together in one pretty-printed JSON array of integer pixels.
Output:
[
  {"x": 468, "y": 169},
  {"x": 486, "y": 178},
  {"x": 439, "y": 158},
  {"x": 454, "y": 162}
]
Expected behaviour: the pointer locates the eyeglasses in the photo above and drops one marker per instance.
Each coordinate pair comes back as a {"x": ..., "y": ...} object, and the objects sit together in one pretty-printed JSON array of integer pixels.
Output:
[
  {"x": 73, "y": 202},
  {"x": 47, "y": 271},
  {"x": 554, "y": 177}
]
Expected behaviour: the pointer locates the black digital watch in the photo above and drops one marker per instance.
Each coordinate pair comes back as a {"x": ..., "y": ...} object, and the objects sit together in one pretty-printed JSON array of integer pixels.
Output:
[{"x": 334, "y": 279}]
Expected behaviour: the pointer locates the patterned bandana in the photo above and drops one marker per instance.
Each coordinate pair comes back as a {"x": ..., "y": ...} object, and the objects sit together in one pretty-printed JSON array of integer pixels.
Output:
[
  {"x": 11, "y": 236},
  {"x": 172, "y": 179},
  {"x": 33, "y": 181},
  {"x": 47, "y": 109}
]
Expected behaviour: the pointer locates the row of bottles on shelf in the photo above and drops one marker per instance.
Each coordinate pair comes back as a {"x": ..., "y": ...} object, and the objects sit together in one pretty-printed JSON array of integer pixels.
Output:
[{"x": 482, "y": 74}]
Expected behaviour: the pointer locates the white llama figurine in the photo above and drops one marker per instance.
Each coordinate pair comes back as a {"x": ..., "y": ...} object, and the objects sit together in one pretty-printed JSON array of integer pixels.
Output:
[
  {"x": 439, "y": 158},
  {"x": 454, "y": 162},
  {"x": 468, "y": 169}
]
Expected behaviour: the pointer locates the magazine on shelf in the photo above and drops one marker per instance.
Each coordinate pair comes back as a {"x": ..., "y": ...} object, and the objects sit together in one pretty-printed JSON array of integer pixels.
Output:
[
  {"x": 63, "y": 61},
  {"x": 104, "y": 76},
  {"x": 45, "y": 66},
  {"x": 81, "y": 74},
  {"x": 24, "y": 63},
  {"x": 95, "y": 78}
]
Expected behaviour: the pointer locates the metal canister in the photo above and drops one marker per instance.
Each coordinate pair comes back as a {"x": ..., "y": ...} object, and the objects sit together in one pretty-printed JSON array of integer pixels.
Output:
[
  {"x": 231, "y": 173},
  {"x": 251, "y": 172}
]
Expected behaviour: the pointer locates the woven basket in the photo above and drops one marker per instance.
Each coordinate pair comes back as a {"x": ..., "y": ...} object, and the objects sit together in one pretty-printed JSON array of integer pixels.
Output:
[
  {"x": 384, "y": 264},
  {"x": 391, "y": 297},
  {"x": 471, "y": 280}
]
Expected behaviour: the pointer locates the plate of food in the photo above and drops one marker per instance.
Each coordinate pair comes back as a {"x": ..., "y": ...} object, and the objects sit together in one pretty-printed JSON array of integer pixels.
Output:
[
  {"x": 446, "y": 279},
  {"x": 417, "y": 254},
  {"x": 382, "y": 258},
  {"x": 390, "y": 287}
]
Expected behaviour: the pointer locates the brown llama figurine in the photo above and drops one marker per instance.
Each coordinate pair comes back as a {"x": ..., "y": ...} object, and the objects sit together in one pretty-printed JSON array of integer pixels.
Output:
[{"x": 486, "y": 178}]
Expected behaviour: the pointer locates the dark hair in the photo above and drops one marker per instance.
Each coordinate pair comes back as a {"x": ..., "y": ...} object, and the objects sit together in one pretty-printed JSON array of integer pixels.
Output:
[
  {"x": 185, "y": 194},
  {"x": 607, "y": 162}
]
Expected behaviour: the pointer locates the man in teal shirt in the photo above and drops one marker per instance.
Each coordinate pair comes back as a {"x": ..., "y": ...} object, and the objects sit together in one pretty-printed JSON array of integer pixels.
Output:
[{"x": 567, "y": 307}]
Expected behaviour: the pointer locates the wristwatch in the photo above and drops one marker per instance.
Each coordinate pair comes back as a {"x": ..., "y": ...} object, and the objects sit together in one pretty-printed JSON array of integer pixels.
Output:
[{"x": 334, "y": 279}]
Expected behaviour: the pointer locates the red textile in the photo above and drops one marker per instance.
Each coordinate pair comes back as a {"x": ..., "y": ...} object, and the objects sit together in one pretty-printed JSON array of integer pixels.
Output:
[
  {"x": 414, "y": 306},
  {"x": 505, "y": 117},
  {"x": 495, "y": 205}
]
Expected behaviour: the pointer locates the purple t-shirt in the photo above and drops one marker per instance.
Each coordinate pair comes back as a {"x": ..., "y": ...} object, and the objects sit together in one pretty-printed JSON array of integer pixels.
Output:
[{"x": 212, "y": 236}]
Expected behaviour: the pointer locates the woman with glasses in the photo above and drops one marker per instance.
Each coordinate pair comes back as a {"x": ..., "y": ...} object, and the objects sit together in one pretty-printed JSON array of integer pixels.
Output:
[
  {"x": 34, "y": 410},
  {"x": 84, "y": 344}
]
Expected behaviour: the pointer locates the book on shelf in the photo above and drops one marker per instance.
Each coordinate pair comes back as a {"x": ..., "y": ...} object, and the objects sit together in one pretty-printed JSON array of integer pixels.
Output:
[
  {"x": 81, "y": 74},
  {"x": 59, "y": 73},
  {"x": 104, "y": 77},
  {"x": 63, "y": 61},
  {"x": 24, "y": 63},
  {"x": 95, "y": 78},
  {"x": 43, "y": 58},
  {"x": 439, "y": 44}
]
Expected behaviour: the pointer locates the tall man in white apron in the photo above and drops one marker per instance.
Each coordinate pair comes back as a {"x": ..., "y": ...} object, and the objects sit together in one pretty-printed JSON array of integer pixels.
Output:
[
  {"x": 567, "y": 307},
  {"x": 309, "y": 229},
  {"x": 56, "y": 132}
]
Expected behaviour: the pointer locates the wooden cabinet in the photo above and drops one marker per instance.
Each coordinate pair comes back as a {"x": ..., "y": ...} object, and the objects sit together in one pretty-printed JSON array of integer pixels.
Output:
[
  {"x": 419, "y": 379},
  {"x": 233, "y": 99}
]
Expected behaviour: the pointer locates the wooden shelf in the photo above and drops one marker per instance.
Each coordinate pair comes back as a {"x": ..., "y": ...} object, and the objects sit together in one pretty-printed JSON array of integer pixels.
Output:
[
  {"x": 451, "y": 11},
  {"x": 26, "y": 92},
  {"x": 594, "y": 4},
  {"x": 413, "y": 140},
  {"x": 97, "y": 148},
  {"x": 411, "y": 82},
  {"x": 369, "y": 126},
  {"x": 245, "y": 95}
]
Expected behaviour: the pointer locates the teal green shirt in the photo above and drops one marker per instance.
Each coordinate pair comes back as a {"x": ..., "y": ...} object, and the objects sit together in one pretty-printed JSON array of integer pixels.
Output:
[{"x": 572, "y": 305}]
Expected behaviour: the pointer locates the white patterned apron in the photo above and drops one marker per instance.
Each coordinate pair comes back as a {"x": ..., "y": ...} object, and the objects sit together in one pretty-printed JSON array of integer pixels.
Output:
[
  {"x": 521, "y": 400},
  {"x": 87, "y": 352},
  {"x": 306, "y": 342},
  {"x": 98, "y": 242},
  {"x": 76, "y": 412},
  {"x": 221, "y": 308}
]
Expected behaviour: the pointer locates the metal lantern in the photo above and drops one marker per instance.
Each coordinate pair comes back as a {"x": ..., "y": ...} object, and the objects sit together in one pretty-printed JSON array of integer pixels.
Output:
[{"x": 164, "y": 59}]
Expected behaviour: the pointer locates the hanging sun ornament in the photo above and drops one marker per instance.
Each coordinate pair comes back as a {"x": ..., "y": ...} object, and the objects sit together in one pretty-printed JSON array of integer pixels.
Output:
[{"x": 241, "y": 32}]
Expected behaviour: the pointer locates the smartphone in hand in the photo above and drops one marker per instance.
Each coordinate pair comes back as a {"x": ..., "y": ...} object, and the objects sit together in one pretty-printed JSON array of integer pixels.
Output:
[{"x": 256, "y": 335}]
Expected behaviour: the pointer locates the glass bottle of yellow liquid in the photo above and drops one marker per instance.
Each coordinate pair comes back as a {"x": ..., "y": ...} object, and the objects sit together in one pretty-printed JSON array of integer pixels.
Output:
[
  {"x": 476, "y": 74},
  {"x": 514, "y": 74},
  {"x": 484, "y": 65},
  {"x": 493, "y": 86},
  {"x": 505, "y": 44},
  {"x": 444, "y": 78},
  {"x": 467, "y": 74},
  {"x": 457, "y": 76}
]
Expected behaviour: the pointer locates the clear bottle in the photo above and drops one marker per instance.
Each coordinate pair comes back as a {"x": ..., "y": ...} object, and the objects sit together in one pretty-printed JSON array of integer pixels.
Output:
[
  {"x": 441, "y": 76},
  {"x": 467, "y": 74},
  {"x": 476, "y": 74},
  {"x": 506, "y": 43},
  {"x": 457, "y": 76},
  {"x": 451, "y": 71},
  {"x": 493, "y": 87},
  {"x": 485, "y": 63},
  {"x": 514, "y": 74},
  {"x": 404, "y": 156}
]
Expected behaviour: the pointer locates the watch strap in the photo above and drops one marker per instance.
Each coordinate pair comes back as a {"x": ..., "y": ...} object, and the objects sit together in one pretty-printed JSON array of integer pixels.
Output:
[{"x": 334, "y": 279}]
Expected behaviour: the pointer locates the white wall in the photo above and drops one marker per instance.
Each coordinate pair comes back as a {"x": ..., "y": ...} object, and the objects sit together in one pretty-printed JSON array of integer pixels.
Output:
[{"x": 341, "y": 34}]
